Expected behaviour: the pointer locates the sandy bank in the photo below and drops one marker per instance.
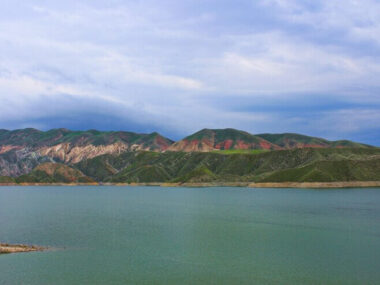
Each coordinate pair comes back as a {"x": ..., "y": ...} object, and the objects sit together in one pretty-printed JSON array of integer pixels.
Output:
[
  {"x": 350, "y": 184},
  {"x": 13, "y": 248}
]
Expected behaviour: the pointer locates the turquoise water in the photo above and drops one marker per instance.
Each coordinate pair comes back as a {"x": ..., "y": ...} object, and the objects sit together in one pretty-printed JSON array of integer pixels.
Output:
[{"x": 157, "y": 235}]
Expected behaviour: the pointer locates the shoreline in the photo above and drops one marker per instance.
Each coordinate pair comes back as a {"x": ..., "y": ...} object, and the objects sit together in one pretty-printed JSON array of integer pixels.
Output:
[
  {"x": 343, "y": 184},
  {"x": 6, "y": 248}
]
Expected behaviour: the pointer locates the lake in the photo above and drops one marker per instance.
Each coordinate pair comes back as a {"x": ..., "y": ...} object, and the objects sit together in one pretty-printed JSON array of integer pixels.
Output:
[{"x": 219, "y": 235}]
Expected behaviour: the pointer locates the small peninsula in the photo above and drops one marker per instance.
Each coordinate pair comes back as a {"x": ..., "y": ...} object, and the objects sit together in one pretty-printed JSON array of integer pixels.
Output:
[{"x": 15, "y": 248}]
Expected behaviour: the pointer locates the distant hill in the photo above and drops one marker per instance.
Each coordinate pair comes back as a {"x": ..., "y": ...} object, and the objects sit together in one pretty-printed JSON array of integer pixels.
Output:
[
  {"x": 221, "y": 139},
  {"x": 296, "y": 165},
  {"x": 231, "y": 139},
  {"x": 34, "y": 138},
  {"x": 289, "y": 141},
  {"x": 23, "y": 150}
]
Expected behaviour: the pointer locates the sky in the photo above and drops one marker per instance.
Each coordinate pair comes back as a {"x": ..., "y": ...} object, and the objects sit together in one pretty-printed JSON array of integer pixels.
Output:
[{"x": 270, "y": 66}]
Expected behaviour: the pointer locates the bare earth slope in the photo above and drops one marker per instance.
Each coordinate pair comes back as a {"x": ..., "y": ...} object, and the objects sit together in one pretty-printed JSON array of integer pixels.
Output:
[{"x": 22, "y": 150}]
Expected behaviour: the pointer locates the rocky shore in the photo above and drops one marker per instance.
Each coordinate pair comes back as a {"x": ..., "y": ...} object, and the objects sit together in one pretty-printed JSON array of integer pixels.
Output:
[
  {"x": 14, "y": 248},
  {"x": 346, "y": 184}
]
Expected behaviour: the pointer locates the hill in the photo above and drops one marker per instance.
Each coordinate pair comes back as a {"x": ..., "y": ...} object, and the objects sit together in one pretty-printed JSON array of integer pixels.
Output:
[
  {"x": 295, "y": 165},
  {"x": 346, "y": 164},
  {"x": 34, "y": 138},
  {"x": 221, "y": 139},
  {"x": 231, "y": 139},
  {"x": 22, "y": 150},
  {"x": 290, "y": 140},
  {"x": 54, "y": 173},
  {"x": 330, "y": 171}
]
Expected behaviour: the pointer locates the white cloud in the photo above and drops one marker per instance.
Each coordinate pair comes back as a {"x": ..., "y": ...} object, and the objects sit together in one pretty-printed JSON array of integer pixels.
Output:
[
  {"x": 283, "y": 64},
  {"x": 121, "y": 67},
  {"x": 346, "y": 121},
  {"x": 360, "y": 19},
  {"x": 155, "y": 60}
]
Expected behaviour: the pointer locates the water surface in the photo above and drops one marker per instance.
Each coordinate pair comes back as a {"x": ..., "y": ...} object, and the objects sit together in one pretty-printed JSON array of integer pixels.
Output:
[{"x": 157, "y": 235}]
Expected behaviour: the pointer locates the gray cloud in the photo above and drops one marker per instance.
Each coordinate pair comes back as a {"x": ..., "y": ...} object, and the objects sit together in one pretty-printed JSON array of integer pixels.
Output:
[{"x": 179, "y": 66}]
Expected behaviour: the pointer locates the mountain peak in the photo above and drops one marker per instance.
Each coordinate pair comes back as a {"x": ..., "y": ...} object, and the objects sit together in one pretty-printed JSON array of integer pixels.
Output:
[{"x": 221, "y": 139}]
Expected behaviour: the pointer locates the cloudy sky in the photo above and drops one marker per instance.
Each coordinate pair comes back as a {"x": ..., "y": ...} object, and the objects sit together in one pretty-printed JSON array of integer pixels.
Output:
[{"x": 304, "y": 66}]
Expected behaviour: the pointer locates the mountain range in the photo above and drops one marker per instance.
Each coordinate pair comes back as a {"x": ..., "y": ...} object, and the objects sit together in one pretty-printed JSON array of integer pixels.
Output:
[
  {"x": 61, "y": 155},
  {"x": 231, "y": 139}
]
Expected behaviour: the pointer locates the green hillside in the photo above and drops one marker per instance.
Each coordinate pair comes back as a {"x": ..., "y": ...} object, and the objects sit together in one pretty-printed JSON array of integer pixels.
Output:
[
  {"x": 291, "y": 140},
  {"x": 54, "y": 173},
  {"x": 298, "y": 164},
  {"x": 330, "y": 171},
  {"x": 6, "y": 179}
]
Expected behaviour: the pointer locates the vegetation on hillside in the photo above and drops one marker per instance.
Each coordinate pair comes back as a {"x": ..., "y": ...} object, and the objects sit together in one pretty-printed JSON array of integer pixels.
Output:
[
  {"x": 290, "y": 140},
  {"x": 210, "y": 155},
  {"x": 54, "y": 173},
  {"x": 346, "y": 164},
  {"x": 7, "y": 179}
]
